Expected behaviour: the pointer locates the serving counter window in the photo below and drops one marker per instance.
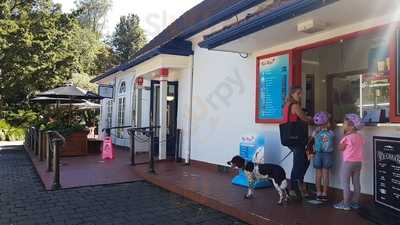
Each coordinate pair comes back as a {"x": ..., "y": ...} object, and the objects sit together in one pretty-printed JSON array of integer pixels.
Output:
[
  {"x": 356, "y": 74},
  {"x": 350, "y": 76}
]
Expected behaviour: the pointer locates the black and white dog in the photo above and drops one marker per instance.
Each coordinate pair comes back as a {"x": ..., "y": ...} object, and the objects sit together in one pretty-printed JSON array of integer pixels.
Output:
[{"x": 254, "y": 172}]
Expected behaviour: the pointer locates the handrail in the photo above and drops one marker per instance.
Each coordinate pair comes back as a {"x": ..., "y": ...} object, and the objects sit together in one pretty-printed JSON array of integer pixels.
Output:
[
  {"x": 59, "y": 136},
  {"x": 150, "y": 132},
  {"x": 53, "y": 151},
  {"x": 144, "y": 128},
  {"x": 113, "y": 128}
]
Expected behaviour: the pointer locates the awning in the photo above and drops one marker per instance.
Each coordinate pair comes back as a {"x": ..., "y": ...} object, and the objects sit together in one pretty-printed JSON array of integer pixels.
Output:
[{"x": 279, "y": 26}]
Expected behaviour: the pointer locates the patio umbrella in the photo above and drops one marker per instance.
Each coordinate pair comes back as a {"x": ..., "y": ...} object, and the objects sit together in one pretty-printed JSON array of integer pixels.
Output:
[
  {"x": 71, "y": 92},
  {"x": 56, "y": 101},
  {"x": 49, "y": 101},
  {"x": 87, "y": 105},
  {"x": 84, "y": 104}
]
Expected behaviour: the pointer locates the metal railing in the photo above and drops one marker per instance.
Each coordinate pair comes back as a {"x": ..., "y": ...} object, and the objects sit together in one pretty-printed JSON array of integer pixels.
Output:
[
  {"x": 149, "y": 132},
  {"x": 55, "y": 141},
  {"x": 46, "y": 145},
  {"x": 108, "y": 130}
]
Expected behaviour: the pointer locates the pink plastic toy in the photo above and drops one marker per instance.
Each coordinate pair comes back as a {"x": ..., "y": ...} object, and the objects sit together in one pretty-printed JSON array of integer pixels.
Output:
[{"x": 108, "y": 149}]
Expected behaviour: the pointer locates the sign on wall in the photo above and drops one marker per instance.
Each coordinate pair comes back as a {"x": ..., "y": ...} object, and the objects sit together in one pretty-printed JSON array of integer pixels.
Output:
[
  {"x": 106, "y": 91},
  {"x": 387, "y": 172},
  {"x": 272, "y": 87}
]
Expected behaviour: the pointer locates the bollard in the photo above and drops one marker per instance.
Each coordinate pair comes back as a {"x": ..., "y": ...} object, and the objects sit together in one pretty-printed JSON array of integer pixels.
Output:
[
  {"x": 48, "y": 152},
  {"x": 56, "y": 164},
  {"x": 34, "y": 141},
  {"x": 132, "y": 149},
  {"x": 178, "y": 145},
  {"x": 40, "y": 152},
  {"x": 151, "y": 169}
]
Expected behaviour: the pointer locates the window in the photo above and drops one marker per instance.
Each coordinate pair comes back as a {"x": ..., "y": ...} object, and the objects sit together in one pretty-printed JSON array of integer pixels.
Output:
[
  {"x": 350, "y": 76},
  {"x": 121, "y": 116},
  {"x": 122, "y": 88},
  {"x": 109, "y": 113}
]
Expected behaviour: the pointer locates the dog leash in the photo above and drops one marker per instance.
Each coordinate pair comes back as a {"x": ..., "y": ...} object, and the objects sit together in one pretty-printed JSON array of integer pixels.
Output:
[{"x": 284, "y": 158}]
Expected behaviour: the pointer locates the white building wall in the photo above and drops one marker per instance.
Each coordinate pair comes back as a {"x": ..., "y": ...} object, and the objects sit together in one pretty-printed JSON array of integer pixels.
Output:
[
  {"x": 224, "y": 108},
  {"x": 183, "y": 117}
]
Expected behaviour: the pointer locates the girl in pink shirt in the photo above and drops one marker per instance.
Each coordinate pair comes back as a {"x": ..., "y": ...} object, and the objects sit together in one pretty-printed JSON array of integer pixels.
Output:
[{"x": 352, "y": 146}]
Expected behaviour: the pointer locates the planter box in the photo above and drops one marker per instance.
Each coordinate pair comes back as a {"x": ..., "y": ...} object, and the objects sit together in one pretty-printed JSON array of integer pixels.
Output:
[{"x": 75, "y": 144}]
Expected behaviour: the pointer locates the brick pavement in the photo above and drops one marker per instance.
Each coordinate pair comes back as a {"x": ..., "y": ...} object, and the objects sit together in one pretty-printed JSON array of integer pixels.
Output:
[{"x": 24, "y": 201}]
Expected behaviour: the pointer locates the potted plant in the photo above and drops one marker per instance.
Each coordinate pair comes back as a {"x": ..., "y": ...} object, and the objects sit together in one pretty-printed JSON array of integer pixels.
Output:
[{"x": 75, "y": 135}]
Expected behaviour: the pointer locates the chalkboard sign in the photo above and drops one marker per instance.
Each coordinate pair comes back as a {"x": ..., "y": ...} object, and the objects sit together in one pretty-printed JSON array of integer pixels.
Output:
[
  {"x": 272, "y": 87},
  {"x": 387, "y": 172}
]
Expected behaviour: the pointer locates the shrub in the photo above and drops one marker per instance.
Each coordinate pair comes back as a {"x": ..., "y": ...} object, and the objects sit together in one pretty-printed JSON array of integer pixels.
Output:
[
  {"x": 10, "y": 133},
  {"x": 21, "y": 118},
  {"x": 64, "y": 129}
]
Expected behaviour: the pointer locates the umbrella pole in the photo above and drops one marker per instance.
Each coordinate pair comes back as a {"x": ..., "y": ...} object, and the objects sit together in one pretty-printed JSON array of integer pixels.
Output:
[
  {"x": 70, "y": 112},
  {"x": 57, "y": 110}
]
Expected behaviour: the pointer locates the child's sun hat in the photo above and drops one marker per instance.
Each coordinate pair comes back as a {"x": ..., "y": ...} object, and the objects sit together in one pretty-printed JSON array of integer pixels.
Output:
[
  {"x": 355, "y": 120},
  {"x": 321, "y": 118}
]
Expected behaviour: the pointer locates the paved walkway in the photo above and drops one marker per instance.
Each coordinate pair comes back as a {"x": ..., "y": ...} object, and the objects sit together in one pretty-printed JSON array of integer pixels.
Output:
[{"x": 23, "y": 201}]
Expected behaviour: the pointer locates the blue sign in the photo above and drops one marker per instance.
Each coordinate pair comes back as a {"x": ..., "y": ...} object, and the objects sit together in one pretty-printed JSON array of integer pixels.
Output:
[{"x": 273, "y": 86}]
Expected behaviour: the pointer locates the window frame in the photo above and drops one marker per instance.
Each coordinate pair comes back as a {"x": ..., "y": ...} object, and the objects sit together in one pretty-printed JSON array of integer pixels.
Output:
[
  {"x": 295, "y": 59},
  {"x": 110, "y": 107},
  {"x": 121, "y": 115},
  {"x": 122, "y": 88}
]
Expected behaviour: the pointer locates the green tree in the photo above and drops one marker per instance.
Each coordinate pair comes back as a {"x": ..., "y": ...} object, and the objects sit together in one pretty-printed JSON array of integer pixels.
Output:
[
  {"x": 82, "y": 80},
  {"x": 40, "y": 48},
  {"x": 92, "y": 14},
  {"x": 105, "y": 59},
  {"x": 128, "y": 38}
]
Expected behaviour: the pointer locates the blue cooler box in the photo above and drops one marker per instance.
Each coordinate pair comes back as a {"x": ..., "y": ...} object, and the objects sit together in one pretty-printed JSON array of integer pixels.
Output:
[{"x": 248, "y": 147}]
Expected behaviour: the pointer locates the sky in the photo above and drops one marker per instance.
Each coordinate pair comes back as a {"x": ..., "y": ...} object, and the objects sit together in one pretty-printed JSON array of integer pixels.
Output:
[{"x": 155, "y": 15}]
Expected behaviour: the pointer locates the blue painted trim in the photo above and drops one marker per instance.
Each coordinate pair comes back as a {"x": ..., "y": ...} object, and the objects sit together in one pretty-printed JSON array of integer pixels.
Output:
[
  {"x": 177, "y": 47},
  {"x": 267, "y": 19},
  {"x": 106, "y": 74},
  {"x": 219, "y": 17}
]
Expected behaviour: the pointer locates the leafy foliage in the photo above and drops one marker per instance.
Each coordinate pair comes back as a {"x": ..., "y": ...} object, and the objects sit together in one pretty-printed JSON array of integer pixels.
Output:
[
  {"x": 21, "y": 118},
  {"x": 10, "y": 133},
  {"x": 91, "y": 14},
  {"x": 64, "y": 129},
  {"x": 128, "y": 38},
  {"x": 82, "y": 80},
  {"x": 39, "y": 48},
  {"x": 42, "y": 47}
]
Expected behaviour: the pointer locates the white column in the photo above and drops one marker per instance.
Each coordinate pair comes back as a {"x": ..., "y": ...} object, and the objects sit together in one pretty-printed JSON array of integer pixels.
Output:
[
  {"x": 138, "y": 119},
  {"x": 139, "y": 84},
  {"x": 163, "y": 114}
]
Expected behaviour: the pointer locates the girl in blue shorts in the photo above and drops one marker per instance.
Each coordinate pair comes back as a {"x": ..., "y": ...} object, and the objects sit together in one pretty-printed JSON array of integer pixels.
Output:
[{"x": 323, "y": 159}]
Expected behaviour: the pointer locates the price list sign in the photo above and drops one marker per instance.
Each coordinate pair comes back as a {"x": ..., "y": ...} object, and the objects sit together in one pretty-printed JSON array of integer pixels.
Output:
[
  {"x": 387, "y": 172},
  {"x": 272, "y": 87}
]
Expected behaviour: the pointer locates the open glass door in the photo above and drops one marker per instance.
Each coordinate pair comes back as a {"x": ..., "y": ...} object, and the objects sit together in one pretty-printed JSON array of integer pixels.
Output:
[{"x": 172, "y": 112}]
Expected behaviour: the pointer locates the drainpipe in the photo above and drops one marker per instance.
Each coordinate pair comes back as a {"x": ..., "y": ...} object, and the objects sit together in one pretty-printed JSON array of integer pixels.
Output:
[{"x": 187, "y": 160}]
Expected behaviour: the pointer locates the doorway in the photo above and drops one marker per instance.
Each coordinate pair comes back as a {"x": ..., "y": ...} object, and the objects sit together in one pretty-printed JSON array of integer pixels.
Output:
[{"x": 172, "y": 113}]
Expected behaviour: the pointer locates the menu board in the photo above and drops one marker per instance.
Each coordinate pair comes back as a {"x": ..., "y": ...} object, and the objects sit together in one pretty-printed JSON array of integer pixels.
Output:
[
  {"x": 272, "y": 86},
  {"x": 387, "y": 172}
]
